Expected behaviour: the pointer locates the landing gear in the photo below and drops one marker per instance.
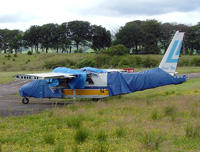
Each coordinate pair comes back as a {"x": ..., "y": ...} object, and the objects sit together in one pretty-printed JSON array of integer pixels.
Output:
[
  {"x": 95, "y": 99},
  {"x": 25, "y": 100}
]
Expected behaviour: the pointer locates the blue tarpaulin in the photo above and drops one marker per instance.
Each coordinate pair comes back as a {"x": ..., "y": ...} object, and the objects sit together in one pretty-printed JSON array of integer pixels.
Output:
[
  {"x": 76, "y": 83},
  {"x": 91, "y": 70},
  {"x": 39, "y": 89},
  {"x": 123, "y": 83}
]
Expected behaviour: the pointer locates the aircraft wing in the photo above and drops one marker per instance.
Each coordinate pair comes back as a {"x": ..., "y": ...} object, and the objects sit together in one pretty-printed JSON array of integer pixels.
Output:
[{"x": 42, "y": 76}]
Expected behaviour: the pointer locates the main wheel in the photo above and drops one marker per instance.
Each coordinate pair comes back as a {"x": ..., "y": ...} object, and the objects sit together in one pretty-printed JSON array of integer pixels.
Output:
[
  {"x": 25, "y": 100},
  {"x": 95, "y": 99}
]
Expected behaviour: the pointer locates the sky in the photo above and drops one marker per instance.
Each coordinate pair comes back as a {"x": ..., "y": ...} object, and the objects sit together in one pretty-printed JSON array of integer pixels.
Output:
[{"x": 111, "y": 14}]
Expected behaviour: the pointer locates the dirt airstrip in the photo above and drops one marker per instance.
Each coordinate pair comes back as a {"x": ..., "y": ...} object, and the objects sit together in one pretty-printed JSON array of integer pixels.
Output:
[{"x": 11, "y": 102}]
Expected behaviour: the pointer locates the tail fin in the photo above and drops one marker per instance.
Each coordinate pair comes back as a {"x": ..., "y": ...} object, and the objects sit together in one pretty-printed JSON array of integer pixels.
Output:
[{"x": 170, "y": 59}]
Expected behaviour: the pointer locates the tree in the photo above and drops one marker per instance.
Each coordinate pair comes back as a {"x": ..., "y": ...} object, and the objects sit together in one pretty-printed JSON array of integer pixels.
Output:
[
  {"x": 16, "y": 43},
  {"x": 130, "y": 35},
  {"x": 80, "y": 32},
  {"x": 48, "y": 36},
  {"x": 32, "y": 37},
  {"x": 101, "y": 38},
  {"x": 167, "y": 30},
  {"x": 6, "y": 37},
  {"x": 197, "y": 37},
  {"x": 64, "y": 41},
  {"x": 152, "y": 36}
]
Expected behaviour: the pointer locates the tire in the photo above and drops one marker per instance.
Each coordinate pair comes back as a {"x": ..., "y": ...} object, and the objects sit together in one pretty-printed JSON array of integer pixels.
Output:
[
  {"x": 25, "y": 100},
  {"x": 95, "y": 99}
]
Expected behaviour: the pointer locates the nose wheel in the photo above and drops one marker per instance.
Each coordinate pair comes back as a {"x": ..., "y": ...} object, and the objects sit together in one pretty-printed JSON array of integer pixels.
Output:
[{"x": 25, "y": 100}]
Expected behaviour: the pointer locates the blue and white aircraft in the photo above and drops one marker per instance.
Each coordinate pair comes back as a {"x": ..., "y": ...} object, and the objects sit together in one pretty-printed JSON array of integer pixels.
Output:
[{"x": 96, "y": 83}]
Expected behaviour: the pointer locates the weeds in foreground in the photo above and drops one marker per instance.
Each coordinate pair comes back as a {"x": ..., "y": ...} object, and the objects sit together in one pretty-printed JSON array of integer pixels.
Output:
[
  {"x": 101, "y": 147},
  {"x": 152, "y": 140},
  {"x": 155, "y": 115},
  {"x": 120, "y": 132},
  {"x": 101, "y": 136},
  {"x": 81, "y": 135},
  {"x": 192, "y": 131},
  {"x": 60, "y": 148},
  {"x": 49, "y": 138},
  {"x": 170, "y": 111},
  {"x": 74, "y": 121},
  {"x": 75, "y": 148}
]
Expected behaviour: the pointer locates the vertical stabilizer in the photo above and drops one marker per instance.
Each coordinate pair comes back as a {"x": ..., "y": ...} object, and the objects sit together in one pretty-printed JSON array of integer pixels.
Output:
[{"x": 170, "y": 59}]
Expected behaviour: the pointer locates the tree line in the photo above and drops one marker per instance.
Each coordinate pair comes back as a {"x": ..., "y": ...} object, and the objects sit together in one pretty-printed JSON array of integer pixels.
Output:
[
  {"x": 139, "y": 37},
  {"x": 54, "y": 36}
]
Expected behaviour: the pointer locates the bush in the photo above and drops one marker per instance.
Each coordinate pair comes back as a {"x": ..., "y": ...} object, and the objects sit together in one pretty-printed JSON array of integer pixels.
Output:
[
  {"x": 116, "y": 50},
  {"x": 195, "y": 61},
  {"x": 123, "y": 63},
  {"x": 148, "y": 62},
  {"x": 59, "y": 63},
  {"x": 29, "y": 52},
  {"x": 81, "y": 135},
  {"x": 86, "y": 63}
]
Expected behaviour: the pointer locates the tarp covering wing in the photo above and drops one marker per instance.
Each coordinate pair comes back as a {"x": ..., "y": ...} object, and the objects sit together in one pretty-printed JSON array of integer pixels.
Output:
[
  {"x": 76, "y": 83},
  {"x": 39, "y": 89},
  {"x": 122, "y": 83}
]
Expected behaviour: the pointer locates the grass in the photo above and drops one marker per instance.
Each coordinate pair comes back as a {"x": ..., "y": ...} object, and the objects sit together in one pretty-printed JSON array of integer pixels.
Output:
[{"x": 169, "y": 122}]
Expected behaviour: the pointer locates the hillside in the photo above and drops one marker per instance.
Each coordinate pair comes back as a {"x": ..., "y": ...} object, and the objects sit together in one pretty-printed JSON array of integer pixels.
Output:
[{"x": 24, "y": 62}]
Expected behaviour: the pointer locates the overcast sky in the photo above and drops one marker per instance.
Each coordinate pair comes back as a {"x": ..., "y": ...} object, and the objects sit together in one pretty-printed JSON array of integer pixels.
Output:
[{"x": 21, "y": 14}]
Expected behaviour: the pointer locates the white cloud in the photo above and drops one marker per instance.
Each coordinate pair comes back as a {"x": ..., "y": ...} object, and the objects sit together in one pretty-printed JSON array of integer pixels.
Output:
[{"x": 21, "y": 14}]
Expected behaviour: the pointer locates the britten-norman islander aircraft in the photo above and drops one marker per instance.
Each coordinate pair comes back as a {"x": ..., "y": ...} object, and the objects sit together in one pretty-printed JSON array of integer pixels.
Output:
[{"x": 96, "y": 83}]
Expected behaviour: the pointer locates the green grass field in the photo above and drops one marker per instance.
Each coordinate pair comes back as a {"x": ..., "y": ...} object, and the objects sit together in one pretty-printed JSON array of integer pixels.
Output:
[{"x": 160, "y": 119}]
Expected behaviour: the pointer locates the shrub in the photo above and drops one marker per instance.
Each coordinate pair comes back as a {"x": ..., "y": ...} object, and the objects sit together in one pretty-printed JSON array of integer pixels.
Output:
[
  {"x": 15, "y": 55},
  {"x": 81, "y": 135},
  {"x": 86, "y": 63},
  {"x": 57, "y": 63},
  {"x": 196, "y": 61},
  {"x": 148, "y": 62},
  {"x": 115, "y": 50},
  {"x": 123, "y": 63},
  {"x": 29, "y": 52}
]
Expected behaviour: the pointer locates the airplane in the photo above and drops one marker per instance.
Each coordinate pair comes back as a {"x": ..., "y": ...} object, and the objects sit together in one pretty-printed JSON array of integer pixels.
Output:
[{"x": 95, "y": 83}]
